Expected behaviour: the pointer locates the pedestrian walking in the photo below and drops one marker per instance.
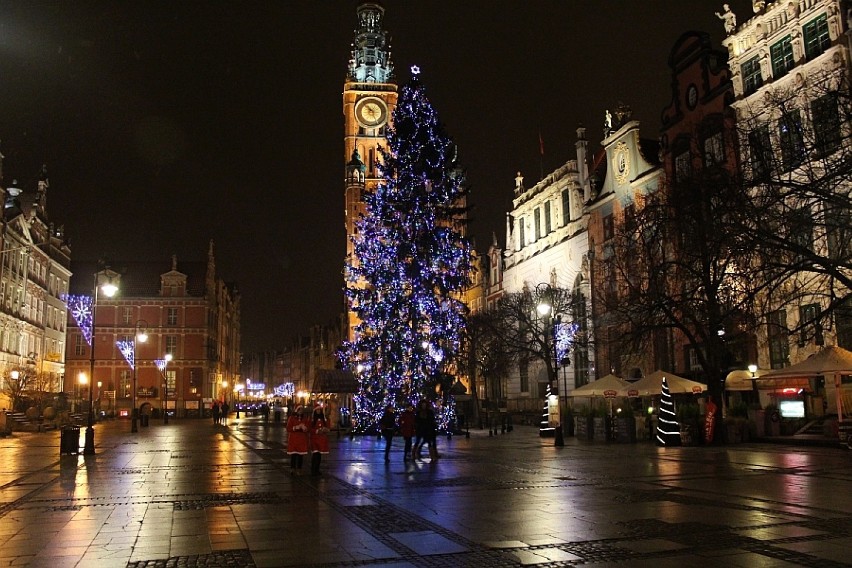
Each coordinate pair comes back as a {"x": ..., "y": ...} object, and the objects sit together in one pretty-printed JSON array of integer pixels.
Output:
[
  {"x": 387, "y": 427},
  {"x": 319, "y": 439},
  {"x": 426, "y": 429},
  {"x": 297, "y": 440},
  {"x": 215, "y": 412},
  {"x": 225, "y": 410},
  {"x": 407, "y": 429}
]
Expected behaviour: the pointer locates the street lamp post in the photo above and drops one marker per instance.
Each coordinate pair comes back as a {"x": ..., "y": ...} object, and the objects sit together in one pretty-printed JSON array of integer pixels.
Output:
[
  {"x": 162, "y": 364},
  {"x": 547, "y": 308},
  {"x": 753, "y": 370},
  {"x": 16, "y": 388},
  {"x": 109, "y": 289},
  {"x": 139, "y": 335}
]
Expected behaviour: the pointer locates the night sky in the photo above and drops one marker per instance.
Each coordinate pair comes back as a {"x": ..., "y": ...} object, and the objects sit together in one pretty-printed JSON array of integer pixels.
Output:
[{"x": 166, "y": 124}]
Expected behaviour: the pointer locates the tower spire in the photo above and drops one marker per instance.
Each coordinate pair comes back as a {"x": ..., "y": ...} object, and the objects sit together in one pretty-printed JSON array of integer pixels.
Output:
[{"x": 371, "y": 57}]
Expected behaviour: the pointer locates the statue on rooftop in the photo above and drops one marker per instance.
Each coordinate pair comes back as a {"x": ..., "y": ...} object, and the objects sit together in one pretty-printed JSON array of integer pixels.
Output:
[{"x": 728, "y": 18}]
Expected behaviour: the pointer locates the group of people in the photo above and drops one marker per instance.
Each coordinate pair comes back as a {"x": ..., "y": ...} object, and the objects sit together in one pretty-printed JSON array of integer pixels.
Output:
[
  {"x": 220, "y": 412},
  {"x": 307, "y": 433},
  {"x": 417, "y": 427}
]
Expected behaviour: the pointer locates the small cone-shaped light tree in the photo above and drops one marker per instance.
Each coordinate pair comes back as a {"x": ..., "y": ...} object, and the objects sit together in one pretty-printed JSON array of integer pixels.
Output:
[{"x": 668, "y": 428}]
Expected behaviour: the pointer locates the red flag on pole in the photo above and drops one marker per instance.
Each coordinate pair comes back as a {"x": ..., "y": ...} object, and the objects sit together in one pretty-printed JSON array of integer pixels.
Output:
[{"x": 540, "y": 143}]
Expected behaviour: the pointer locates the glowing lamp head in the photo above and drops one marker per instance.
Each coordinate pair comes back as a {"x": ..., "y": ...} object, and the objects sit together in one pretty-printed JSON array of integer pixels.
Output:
[
  {"x": 543, "y": 308},
  {"x": 109, "y": 289},
  {"x": 168, "y": 357},
  {"x": 142, "y": 337},
  {"x": 82, "y": 378},
  {"x": 752, "y": 368}
]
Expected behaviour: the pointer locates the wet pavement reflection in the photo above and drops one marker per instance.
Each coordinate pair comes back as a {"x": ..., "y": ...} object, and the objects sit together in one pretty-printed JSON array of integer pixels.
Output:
[{"x": 193, "y": 494}]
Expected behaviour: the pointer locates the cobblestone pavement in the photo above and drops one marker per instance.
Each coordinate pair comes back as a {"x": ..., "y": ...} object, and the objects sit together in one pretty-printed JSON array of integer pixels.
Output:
[{"x": 192, "y": 494}]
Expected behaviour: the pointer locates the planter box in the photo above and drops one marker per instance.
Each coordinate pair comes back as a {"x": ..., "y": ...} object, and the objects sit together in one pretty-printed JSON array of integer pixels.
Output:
[
  {"x": 690, "y": 433},
  {"x": 625, "y": 429},
  {"x": 583, "y": 427},
  {"x": 601, "y": 429}
]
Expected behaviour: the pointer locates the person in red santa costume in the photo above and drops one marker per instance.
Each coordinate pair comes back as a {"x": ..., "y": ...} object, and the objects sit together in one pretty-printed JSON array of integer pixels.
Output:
[
  {"x": 297, "y": 439},
  {"x": 319, "y": 438}
]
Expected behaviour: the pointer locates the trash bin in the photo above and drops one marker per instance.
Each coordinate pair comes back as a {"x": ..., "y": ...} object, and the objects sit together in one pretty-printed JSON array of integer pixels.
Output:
[
  {"x": 69, "y": 440},
  {"x": 145, "y": 418}
]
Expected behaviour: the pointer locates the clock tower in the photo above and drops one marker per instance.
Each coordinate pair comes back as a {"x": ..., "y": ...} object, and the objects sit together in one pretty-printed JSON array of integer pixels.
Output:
[{"x": 369, "y": 98}]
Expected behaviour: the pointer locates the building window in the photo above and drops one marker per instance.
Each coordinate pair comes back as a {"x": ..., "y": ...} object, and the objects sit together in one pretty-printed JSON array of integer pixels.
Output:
[
  {"x": 608, "y": 227},
  {"x": 566, "y": 207},
  {"x": 548, "y": 227},
  {"x": 791, "y": 139},
  {"x": 752, "y": 79},
  {"x": 124, "y": 381},
  {"x": 127, "y": 315},
  {"x": 761, "y": 152},
  {"x": 521, "y": 236},
  {"x": 777, "y": 332},
  {"x": 537, "y": 223},
  {"x": 172, "y": 316},
  {"x": 816, "y": 36},
  {"x": 79, "y": 345},
  {"x": 695, "y": 358},
  {"x": 801, "y": 232},
  {"x": 838, "y": 227},
  {"x": 782, "y": 57},
  {"x": 171, "y": 376},
  {"x": 809, "y": 318},
  {"x": 843, "y": 321},
  {"x": 826, "y": 124},
  {"x": 714, "y": 150},
  {"x": 524, "y": 374},
  {"x": 171, "y": 344},
  {"x": 683, "y": 166}
]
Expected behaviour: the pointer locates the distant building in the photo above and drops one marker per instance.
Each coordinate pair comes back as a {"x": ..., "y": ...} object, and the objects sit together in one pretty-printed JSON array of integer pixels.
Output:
[{"x": 185, "y": 309}]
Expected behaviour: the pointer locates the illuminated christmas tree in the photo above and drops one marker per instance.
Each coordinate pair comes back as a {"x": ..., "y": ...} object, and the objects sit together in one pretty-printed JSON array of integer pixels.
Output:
[
  {"x": 668, "y": 428},
  {"x": 411, "y": 261}
]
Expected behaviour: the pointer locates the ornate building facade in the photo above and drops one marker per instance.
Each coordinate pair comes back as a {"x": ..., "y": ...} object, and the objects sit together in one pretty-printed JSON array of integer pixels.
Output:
[
  {"x": 547, "y": 244},
  {"x": 790, "y": 70},
  {"x": 34, "y": 275}
]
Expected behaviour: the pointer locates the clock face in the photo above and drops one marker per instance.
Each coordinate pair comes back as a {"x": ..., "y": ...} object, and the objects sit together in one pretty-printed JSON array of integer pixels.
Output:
[
  {"x": 371, "y": 112},
  {"x": 691, "y": 97}
]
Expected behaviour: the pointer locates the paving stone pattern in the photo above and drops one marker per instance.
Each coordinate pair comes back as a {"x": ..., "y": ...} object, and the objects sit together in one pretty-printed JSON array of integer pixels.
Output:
[{"x": 191, "y": 494}]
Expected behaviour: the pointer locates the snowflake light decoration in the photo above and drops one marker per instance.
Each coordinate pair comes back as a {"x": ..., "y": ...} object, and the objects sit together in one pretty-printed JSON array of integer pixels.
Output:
[
  {"x": 80, "y": 308},
  {"x": 127, "y": 347}
]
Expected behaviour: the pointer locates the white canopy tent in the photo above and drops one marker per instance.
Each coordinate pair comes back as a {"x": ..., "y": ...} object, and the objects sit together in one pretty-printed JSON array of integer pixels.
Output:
[
  {"x": 652, "y": 385},
  {"x": 607, "y": 387},
  {"x": 830, "y": 361}
]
